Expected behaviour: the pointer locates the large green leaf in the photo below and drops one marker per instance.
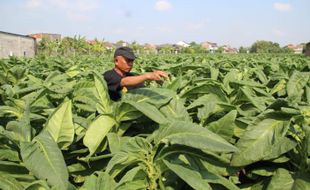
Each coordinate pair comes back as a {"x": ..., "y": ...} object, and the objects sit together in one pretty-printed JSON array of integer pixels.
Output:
[
  {"x": 282, "y": 180},
  {"x": 126, "y": 112},
  {"x": 208, "y": 88},
  {"x": 197, "y": 176},
  {"x": 192, "y": 135},
  {"x": 295, "y": 86},
  {"x": 190, "y": 176},
  {"x": 7, "y": 182},
  {"x": 258, "y": 140},
  {"x": 176, "y": 110},
  {"x": 154, "y": 96},
  {"x": 116, "y": 142},
  {"x": 285, "y": 180},
  {"x": 301, "y": 181},
  {"x": 98, "y": 181},
  {"x": 224, "y": 126},
  {"x": 44, "y": 159},
  {"x": 133, "y": 185},
  {"x": 104, "y": 106},
  {"x": 150, "y": 111},
  {"x": 13, "y": 169},
  {"x": 134, "y": 150},
  {"x": 37, "y": 185},
  {"x": 97, "y": 131},
  {"x": 21, "y": 128},
  {"x": 60, "y": 125},
  {"x": 257, "y": 101}
]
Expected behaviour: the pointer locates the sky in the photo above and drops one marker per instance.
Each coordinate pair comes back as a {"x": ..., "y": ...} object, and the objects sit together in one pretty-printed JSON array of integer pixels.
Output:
[{"x": 225, "y": 22}]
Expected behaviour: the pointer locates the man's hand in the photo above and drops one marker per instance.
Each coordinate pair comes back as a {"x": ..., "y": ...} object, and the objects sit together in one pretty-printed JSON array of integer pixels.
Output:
[
  {"x": 156, "y": 75},
  {"x": 135, "y": 80}
]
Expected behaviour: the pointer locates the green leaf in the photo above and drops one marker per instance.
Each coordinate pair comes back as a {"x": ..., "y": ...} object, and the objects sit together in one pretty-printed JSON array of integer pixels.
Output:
[
  {"x": 192, "y": 135},
  {"x": 150, "y": 111},
  {"x": 104, "y": 106},
  {"x": 38, "y": 185},
  {"x": 98, "y": 181},
  {"x": 60, "y": 125},
  {"x": 133, "y": 151},
  {"x": 283, "y": 145},
  {"x": 295, "y": 85},
  {"x": 308, "y": 94},
  {"x": 44, "y": 159},
  {"x": 12, "y": 168},
  {"x": 197, "y": 176},
  {"x": 281, "y": 180},
  {"x": 257, "y": 142},
  {"x": 9, "y": 154},
  {"x": 154, "y": 96},
  {"x": 133, "y": 185},
  {"x": 258, "y": 102},
  {"x": 21, "y": 127},
  {"x": 302, "y": 181},
  {"x": 9, "y": 183},
  {"x": 224, "y": 126},
  {"x": 97, "y": 131},
  {"x": 208, "y": 88},
  {"x": 116, "y": 142},
  {"x": 126, "y": 112},
  {"x": 176, "y": 110},
  {"x": 130, "y": 175},
  {"x": 190, "y": 176}
]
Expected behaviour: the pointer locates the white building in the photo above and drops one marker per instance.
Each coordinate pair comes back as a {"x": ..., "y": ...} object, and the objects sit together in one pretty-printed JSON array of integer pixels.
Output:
[{"x": 182, "y": 44}]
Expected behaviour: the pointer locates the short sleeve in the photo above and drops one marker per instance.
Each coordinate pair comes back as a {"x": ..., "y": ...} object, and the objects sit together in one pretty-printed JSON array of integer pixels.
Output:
[{"x": 113, "y": 81}]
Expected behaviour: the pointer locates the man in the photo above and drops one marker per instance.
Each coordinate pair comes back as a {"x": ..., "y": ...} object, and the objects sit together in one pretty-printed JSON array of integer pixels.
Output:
[{"x": 121, "y": 79}]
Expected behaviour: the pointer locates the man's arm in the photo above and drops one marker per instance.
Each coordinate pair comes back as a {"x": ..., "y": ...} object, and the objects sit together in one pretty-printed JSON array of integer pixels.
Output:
[{"x": 135, "y": 80}]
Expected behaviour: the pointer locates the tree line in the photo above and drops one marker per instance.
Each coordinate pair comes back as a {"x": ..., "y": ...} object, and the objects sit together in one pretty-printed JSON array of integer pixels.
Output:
[{"x": 79, "y": 45}]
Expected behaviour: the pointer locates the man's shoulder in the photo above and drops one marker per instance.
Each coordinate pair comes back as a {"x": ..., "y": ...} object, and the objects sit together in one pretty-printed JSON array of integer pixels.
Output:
[{"x": 109, "y": 72}]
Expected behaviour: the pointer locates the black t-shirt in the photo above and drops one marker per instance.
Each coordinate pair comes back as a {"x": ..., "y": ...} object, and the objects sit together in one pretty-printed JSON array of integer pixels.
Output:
[{"x": 113, "y": 80}]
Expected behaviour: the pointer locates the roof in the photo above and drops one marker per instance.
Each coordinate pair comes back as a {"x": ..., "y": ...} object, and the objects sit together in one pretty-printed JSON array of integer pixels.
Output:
[{"x": 19, "y": 35}]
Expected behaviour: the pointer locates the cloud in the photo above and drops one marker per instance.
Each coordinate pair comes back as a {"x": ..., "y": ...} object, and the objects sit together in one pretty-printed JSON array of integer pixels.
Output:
[
  {"x": 197, "y": 25},
  {"x": 32, "y": 4},
  {"x": 77, "y": 17},
  {"x": 163, "y": 29},
  {"x": 282, "y": 6},
  {"x": 75, "y": 10},
  {"x": 278, "y": 33},
  {"x": 162, "y": 5}
]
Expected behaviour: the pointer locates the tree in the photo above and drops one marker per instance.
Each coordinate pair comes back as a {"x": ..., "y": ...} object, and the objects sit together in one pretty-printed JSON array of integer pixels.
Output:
[
  {"x": 136, "y": 47},
  {"x": 243, "y": 50},
  {"x": 220, "y": 50},
  {"x": 267, "y": 47},
  {"x": 307, "y": 49}
]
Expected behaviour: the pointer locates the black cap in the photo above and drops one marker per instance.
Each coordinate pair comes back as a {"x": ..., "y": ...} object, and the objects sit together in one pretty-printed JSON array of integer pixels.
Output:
[{"x": 125, "y": 52}]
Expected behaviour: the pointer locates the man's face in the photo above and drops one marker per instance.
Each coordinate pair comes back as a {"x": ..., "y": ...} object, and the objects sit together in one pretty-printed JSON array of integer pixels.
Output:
[{"x": 123, "y": 64}]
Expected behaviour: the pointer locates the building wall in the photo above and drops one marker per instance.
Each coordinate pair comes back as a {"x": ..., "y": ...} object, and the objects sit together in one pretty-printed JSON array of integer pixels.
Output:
[{"x": 17, "y": 45}]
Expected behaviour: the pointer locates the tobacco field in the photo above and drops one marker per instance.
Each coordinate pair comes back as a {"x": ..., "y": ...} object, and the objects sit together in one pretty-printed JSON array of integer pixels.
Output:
[{"x": 220, "y": 122}]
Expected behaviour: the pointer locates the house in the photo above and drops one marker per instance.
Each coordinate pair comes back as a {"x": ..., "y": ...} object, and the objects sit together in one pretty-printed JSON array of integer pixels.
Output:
[
  {"x": 296, "y": 48},
  {"x": 16, "y": 45},
  {"x": 108, "y": 45},
  {"x": 51, "y": 37},
  {"x": 150, "y": 48},
  {"x": 210, "y": 46},
  {"x": 228, "y": 49},
  {"x": 182, "y": 44}
]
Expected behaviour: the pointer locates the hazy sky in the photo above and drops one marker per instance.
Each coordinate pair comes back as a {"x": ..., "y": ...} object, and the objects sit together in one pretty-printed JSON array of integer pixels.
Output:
[{"x": 232, "y": 22}]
